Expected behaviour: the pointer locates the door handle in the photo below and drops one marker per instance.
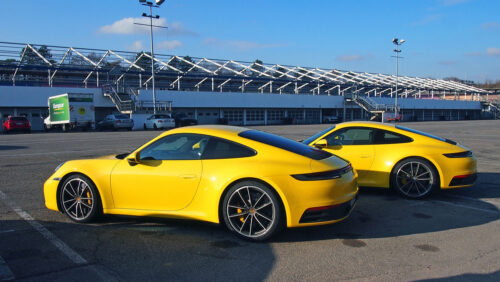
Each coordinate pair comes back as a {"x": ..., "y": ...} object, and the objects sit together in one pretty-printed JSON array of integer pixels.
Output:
[{"x": 188, "y": 176}]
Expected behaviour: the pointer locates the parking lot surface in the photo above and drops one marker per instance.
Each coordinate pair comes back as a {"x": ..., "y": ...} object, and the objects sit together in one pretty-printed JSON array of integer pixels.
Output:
[{"x": 452, "y": 235}]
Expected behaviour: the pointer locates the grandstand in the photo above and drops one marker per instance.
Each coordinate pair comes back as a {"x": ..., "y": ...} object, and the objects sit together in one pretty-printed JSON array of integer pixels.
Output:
[{"x": 125, "y": 78}]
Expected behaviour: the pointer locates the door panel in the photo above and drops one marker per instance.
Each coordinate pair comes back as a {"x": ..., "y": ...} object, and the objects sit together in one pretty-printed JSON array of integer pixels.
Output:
[
  {"x": 354, "y": 144},
  {"x": 155, "y": 184}
]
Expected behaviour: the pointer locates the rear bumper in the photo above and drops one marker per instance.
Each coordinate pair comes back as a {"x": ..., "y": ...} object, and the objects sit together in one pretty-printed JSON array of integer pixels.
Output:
[
  {"x": 463, "y": 180},
  {"x": 328, "y": 213}
]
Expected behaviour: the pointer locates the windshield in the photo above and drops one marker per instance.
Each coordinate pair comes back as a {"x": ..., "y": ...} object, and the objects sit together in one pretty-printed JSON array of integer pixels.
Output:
[
  {"x": 317, "y": 135},
  {"x": 426, "y": 134}
]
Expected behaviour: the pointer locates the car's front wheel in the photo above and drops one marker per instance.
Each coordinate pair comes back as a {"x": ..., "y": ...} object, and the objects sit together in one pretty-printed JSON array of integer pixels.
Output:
[
  {"x": 252, "y": 210},
  {"x": 414, "y": 178},
  {"x": 79, "y": 199}
]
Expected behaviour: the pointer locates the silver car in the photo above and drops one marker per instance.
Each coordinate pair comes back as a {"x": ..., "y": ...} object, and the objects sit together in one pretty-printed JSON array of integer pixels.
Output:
[
  {"x": 115, "y": 122},
  {"x": 157, "y": 121}
]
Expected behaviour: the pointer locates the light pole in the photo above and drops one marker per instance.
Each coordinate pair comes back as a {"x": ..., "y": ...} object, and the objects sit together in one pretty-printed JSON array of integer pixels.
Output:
[
  {"x": 398, "y": 43},
  {"x": 150, "y": 16}
]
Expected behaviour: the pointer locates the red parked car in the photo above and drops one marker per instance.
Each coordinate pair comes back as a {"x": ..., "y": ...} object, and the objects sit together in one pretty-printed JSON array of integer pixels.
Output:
[{"x": 16, "y": 124}]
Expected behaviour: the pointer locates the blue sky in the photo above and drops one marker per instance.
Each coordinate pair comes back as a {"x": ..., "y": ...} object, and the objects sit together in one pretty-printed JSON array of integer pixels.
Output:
[{"x": 443, "y": 37}]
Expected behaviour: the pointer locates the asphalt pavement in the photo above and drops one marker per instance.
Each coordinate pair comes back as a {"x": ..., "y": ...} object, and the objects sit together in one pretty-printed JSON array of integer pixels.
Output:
[{"x": 454, "y": 235}]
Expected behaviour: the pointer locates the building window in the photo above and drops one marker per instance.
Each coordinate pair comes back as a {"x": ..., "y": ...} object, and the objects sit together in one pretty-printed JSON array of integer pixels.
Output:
[
  {"x": 275, "y": 114},
  {"x": 296, "y": 114},
  {"x": 233, "y": 115},
  {"x": 254, "y": 115},
  {"x": 312, "y": 115}
]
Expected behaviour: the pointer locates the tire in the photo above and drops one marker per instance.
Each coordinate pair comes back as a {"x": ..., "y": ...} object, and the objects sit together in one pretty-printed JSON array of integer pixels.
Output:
[
  {"x": 145, "y": 127},
  {"x": 154, "y": 126},
  {"x": 129, "y": 128},
  {"x": 414, "y": 178},
  {"x": 77, "y": 208},
  {"x": 254, "y": 220}
]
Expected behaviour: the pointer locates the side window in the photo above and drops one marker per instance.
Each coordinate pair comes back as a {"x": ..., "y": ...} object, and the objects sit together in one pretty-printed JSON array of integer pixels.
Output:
[
  {"x": 218, "y": 148},
  {"x": 389, "y": 137},
  {"x": 176, "y": 147},
  {"x": 351, "y": 136}
]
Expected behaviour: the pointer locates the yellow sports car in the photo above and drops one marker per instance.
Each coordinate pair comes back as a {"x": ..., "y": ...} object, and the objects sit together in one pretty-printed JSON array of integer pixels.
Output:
[
  {"x": 254, "y": 182},
  {"x": 392, "y": 156}
]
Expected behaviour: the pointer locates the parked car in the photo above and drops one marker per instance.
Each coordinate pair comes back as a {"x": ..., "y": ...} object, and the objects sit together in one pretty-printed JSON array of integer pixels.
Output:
[
  {"x": 331, "y": 119},
  {"x": 157, "y": 121},
  {"x": 18, "y": 123},
  {"x": 115, "y": 122},
  {"x": 254, "y": 182},
  {"x": 411, "y": 162},
  {"x": 181, "y": 119}
]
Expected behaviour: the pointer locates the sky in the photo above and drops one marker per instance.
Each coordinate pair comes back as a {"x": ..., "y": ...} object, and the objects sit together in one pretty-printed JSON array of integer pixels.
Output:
[{"x": 444, "y": 38}]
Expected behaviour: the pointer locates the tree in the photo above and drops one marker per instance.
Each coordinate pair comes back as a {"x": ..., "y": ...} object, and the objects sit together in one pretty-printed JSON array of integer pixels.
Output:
[
  {"x": 182, "y": 65},
  {"x": 257, "y": 66},
  {"x": 279, "y": 72}
]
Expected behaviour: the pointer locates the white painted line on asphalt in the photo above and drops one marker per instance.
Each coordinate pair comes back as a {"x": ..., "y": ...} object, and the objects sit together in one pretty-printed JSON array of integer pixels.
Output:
[
  {"x": 58, "y": 243},
  {"x": 7, "y": 231},
  {"x": 5, "y": 272},
  {"x": 467, "y": 207}
]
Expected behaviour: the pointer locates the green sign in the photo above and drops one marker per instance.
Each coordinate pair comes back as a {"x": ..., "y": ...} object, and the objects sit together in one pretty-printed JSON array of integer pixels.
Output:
[{"x": 59, "y": 109}]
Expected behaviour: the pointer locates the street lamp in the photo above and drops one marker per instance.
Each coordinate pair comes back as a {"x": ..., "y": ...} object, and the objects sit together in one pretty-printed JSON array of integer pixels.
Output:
[
  {"x": 150, "y": 16},
  {"x": 398, "y": 43}
]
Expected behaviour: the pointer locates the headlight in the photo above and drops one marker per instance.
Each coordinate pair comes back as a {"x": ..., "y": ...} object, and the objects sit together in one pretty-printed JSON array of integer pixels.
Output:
[{"x": 59, "y": 166}]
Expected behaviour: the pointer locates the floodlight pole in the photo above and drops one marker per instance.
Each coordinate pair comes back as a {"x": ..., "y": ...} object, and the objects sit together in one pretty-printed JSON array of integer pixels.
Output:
[
  {"x": 398, "y": 43},
  {"x": 150, "y": 16}
]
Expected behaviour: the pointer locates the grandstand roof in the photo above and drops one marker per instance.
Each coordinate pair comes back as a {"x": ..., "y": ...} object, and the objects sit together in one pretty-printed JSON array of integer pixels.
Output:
[{"x": 25, "y": 64}]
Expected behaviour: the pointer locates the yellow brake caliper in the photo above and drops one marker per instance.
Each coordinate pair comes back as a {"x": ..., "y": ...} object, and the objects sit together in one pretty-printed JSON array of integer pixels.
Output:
[
  {"x": 242, "y": 219},
  {"x": 88, "y": 196}
]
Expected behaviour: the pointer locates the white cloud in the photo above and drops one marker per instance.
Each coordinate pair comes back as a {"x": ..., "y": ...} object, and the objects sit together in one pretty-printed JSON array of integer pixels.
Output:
[
  {"x": 492, "y": 51},
  {"x": 453, "y": 2},
  {"x": 353, "y": 57},
  {"x": 136, "y": 46},
  {"x": 239, "y": 45},
  {"x": 129, "y": 26},
  {"x": 427, "y": 19},
  {"x": 170, "y": 45}
]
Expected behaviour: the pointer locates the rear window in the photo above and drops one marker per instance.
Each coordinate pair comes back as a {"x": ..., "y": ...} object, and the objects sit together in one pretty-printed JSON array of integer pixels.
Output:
[
  {"x": 218, "y": 148},
  {"x": 18, "y": 118},
  {"x": 285, "y": 144},
  {"x": 317, "y": 135},
  {"x": 426, "y": 134},
  {"x": 162, "y": 116},
  {"x": 122, "y": 116}
]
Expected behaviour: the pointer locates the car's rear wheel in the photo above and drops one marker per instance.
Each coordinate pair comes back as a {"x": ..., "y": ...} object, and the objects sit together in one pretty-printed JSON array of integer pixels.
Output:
[
  {"x": 145, "y": 127},
  {"x": 155, "y": 127},
  {"x": 252, "y": 210},
  {"x": 414, "y": 178},
  {"x": 79, "y": 199}
]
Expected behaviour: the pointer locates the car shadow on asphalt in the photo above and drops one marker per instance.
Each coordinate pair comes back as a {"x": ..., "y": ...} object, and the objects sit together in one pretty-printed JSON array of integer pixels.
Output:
[
  {"x": 381, "y": 213},
  {"x": 9, "y": 147}
]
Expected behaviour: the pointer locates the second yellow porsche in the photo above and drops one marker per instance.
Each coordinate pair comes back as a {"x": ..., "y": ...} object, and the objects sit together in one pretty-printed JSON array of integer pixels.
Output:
[
  {"x": 252, "y": 181},
  {"x": 412, "y": 162}
]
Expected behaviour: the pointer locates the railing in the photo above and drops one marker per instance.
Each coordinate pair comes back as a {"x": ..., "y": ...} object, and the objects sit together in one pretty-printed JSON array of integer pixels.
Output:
[
  {"x": 124, "y": 106},
  {"x": 370, "y": 105},
  {"x": 161, "y": 106}
]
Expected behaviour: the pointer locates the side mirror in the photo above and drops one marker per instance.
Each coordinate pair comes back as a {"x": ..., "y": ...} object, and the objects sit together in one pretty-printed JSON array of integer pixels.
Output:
[
  {"x": 321, "y": 144},
  {"x": 134, "y": 159}
]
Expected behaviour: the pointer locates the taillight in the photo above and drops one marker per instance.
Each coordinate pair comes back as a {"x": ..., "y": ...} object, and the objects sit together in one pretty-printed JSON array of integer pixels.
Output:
[
  {"x": 160, "y": 121},
  {"x": 324, "y": 175},
  {"x": 118, "y": 121},
  {"x": 466, "y": 154}
]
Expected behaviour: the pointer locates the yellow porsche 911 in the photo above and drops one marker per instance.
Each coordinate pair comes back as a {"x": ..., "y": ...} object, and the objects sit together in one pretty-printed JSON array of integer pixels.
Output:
[
  {"x": 252, "y": 181},
  {"x": 392, "y": 156}
]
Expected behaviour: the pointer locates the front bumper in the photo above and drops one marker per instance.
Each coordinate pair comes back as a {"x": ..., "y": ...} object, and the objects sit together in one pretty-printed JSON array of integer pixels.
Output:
[{"x": 50, "y": 193}]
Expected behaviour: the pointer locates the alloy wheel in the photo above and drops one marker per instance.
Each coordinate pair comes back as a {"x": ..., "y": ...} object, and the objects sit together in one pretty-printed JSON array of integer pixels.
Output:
[
  {"x": 251, "y": 211},
  {"x": 414, "y": 179},
  {"x": 78, "y": 199}
]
